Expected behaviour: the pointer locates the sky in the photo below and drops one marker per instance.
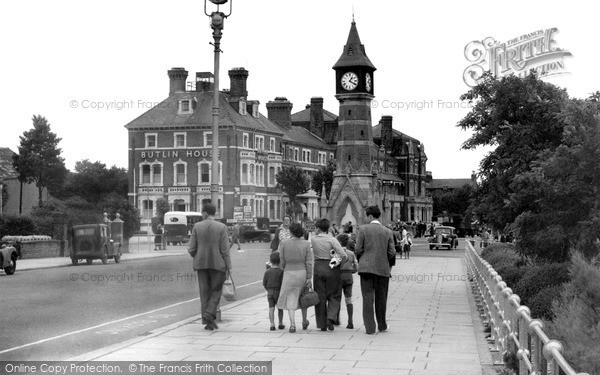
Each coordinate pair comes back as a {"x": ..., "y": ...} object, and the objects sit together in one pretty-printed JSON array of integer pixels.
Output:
[{"x": 91, "y": 67}]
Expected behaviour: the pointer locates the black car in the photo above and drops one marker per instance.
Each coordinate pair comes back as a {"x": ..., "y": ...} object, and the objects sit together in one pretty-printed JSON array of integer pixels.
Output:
[{"x": 249, "y": 233}]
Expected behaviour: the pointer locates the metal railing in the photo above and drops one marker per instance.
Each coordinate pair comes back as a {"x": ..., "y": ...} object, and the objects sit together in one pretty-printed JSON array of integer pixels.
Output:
[{"x": 512, "y": 328}]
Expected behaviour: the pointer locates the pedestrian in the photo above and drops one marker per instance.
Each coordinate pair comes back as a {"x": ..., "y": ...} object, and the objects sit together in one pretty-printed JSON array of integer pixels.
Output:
[
  {"x": 374, "y": 250},
  {"x": 348, "y": 267},
  {"x": 235, "y": 236},
  {"x": 272, "y": 282},
  {"x": 406, "y": 243},
  {"x": 281, "y": 233},
  {"x": 327, "y": 280},
  {"x": 297, "y": 264},
  {"x": 209, "y": 246},
  {"x": 158, "y": 238}
]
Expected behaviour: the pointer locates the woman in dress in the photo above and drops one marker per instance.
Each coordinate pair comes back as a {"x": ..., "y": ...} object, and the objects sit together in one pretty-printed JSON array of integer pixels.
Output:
[
  {"x": 297, "y": 263},
  {"x": 282, "y": 233}
]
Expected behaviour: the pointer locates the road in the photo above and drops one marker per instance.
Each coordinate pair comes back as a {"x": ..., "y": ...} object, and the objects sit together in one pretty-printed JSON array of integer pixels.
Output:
[{"x": 58, "y": 313}]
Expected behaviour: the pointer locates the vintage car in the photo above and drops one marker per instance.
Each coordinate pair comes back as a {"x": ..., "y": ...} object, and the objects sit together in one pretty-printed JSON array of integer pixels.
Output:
[
  {"x": 249, "y": 233},
  {"x": 8, "y": 259},
  {"x": 443, "y": 237},
  {"x": 97, "y": 241}
]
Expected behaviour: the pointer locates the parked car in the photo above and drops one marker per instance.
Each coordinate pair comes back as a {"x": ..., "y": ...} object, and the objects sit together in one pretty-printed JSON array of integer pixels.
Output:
[
  {"x": 443, "y": 237},
  {"x": 250, "y": 233},
  {"x": 8, "y": 259},
  {"x": 97, "y": 241}
]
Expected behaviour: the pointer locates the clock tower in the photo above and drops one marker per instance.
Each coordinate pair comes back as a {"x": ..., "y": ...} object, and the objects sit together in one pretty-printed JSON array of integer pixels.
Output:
[{"x": 355, "y": 184}]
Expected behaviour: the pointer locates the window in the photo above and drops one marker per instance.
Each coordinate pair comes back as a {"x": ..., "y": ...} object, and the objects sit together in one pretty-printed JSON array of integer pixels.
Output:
[
  {"x": 151, "y": 174},
  {"x": 255, "y": 109},
  {"x": 259, "y": 142},
  {"x": 145, "y": 174},
  {"x": 207, "y": 139},
  {"x": 242, "y": 107},
  {"x": 179, "y": 139},
  {"x": 245, "y": 140},
  {"x": 306, "y": 156},
  {"x": 185, "y": 106},
  {"x": 271, "y": 176},
  {"x": 151, "y": 140},
  {"x": 147, "y": 209},
  {"x": 244, "y": 173},
  {"x": 204, "y": 173},
  {"x": 272, "y": 144},
  {"x": 180, "y": 175},
  {"x": 296, "y": 154},
  {"x": 252, "y": 169},
  {"x": 156, "y": 174},
  {"x": 322, "y": 158}
]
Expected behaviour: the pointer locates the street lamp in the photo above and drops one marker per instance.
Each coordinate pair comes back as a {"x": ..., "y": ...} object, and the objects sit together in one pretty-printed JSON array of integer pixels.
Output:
[{"x": 217, "y": 19}]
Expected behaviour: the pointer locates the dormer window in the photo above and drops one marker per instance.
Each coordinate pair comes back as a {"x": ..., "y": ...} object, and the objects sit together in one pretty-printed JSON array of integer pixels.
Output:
[
  {"x": 185, "y": 106},
  {"x": 242, "y": 107},
  {"x": 255, "y": 109}
]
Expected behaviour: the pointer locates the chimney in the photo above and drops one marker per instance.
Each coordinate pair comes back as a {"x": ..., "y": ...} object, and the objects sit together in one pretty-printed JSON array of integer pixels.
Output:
[
  {"x": 205, "y": 81},
  {"x": 177, "y": 77},
  {"x": 387, "y": 136},
  {"x": 237, "y": 78},
  {"x": 316, "y": 116},
  {"x": 280, "y": 112}
]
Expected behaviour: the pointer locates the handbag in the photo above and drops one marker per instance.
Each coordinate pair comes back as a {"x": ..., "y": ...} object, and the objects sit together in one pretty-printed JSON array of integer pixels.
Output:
[
  {"x": 229, "y": 288},
  {"x": 308, "y": 297}
]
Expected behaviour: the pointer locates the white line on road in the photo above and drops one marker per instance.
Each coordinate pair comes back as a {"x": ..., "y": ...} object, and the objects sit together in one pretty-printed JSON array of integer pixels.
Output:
[{"x": 108, "y": 323}]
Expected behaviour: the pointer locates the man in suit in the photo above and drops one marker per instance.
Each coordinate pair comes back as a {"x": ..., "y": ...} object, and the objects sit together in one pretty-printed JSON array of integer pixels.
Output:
[
  {"x": 209, "y": 246},
  {"x": 374, "y": 250}
]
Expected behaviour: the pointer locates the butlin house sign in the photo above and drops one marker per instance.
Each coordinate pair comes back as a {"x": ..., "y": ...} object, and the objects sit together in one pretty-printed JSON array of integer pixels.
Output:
[
  {"x": 536, "y": 50},
  {"x": 165, "y": 154}
]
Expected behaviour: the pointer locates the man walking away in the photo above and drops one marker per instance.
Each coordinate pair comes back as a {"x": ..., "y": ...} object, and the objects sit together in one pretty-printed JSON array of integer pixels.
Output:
[
  {"x": 209, "y": 246},
  {"x": 374, "y": 248}
]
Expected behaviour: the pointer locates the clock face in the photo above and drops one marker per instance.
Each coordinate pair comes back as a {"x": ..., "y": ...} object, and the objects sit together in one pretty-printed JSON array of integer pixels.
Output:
[
  {"x": 349, "y": 81},
  {"x": 368, "y": 82}
]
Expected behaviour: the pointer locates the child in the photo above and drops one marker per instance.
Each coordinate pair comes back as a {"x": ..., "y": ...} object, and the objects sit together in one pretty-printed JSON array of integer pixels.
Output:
[
  {"x": 348, "y": 267},
  {"x": 272, "y": 283}
]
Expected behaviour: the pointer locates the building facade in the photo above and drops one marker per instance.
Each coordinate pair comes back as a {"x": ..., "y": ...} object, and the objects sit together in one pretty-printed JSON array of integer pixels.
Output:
[{"x": 170, "y": 150}]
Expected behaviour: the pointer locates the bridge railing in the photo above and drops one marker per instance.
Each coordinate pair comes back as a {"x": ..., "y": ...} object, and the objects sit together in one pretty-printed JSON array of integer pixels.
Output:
[{"x": 512, "y": 328}]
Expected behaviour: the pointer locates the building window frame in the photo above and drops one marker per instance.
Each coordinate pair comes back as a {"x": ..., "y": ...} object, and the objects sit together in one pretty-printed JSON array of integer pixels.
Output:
[
  {"x": 245, "y": 140},
  {"x": 207, "y": 141},
  {"x": 151, "y": 140},
  {"x": 176, "y": 138},
  {"x": 176, "y": 173}
]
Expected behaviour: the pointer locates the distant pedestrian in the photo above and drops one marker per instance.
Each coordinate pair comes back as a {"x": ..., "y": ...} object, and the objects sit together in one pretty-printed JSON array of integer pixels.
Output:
[
  {"x": 158, "y": 234},
  {"x": 235, "y": 236},
  {"x": 272, "y": 282},
  {"x": 374, "y": 250},
  {"x": 297, "y": 264},
  {"x": 209, "y": 246}
]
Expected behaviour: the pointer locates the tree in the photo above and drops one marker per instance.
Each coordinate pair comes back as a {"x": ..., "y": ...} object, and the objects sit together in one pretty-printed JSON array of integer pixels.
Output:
[
  {"x": 323, "y": 176},
  {"x": 117, "y": 203},
  {"x": 39, "y": 158},
  {"x": 93, "y": 181},
  {"x": 565, "y": 185},
  {"x": 520, "y": 118},
  {"x": 293, "y": 181}
]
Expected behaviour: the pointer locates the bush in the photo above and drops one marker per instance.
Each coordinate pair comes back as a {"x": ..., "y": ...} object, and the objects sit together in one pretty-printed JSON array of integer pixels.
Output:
[
  {"x": 512, "y": 275},
  {"x": 577, "y": 316},
  {"x": 17, "y": 225},
  {"x": 540, "y": 277},
  {"x": 541, "y": 304}
]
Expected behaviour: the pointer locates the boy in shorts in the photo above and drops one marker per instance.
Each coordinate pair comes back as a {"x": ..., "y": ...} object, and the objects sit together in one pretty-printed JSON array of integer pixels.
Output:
[
  {"x": 348, "y": 267},
  {"x": 272, "y": 283}
]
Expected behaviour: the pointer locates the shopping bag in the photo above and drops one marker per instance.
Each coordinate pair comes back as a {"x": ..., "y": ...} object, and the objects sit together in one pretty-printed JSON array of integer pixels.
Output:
[
  {"x": 308, "y": 298},
  {"x": 229, "y": 288}
]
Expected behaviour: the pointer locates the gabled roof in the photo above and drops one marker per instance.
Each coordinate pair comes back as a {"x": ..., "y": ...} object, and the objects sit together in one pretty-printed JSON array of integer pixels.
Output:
[
  {"x": 6, "y": 163},
  {"x": 449, "y": 183},
  {"x": 395, "y": 134},
  {"x": 301, "y": 135},
  {"x": 304, "y": 116},
  {"x": 354, "y": 52},
  {"x": 165, "y": 115}
]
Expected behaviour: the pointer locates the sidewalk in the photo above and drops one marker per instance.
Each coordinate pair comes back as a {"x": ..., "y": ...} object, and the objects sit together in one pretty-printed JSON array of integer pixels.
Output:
[{"x": 434, "y": 328}]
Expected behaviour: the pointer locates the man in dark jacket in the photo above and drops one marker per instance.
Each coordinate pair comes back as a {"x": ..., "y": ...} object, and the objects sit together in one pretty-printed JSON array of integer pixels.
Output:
[
  {"x": 209, "y": 246},
  {"x": 374, "y": 248}
]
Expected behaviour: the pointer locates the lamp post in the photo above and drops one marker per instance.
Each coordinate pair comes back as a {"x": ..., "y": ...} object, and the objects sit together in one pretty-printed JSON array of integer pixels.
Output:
[{"x": 217, "y": 19}]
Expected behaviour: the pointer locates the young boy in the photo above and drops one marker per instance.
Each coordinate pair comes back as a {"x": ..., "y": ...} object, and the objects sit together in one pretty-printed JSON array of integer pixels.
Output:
[
  {"x": 348, "y": 267},
  {"x": 272, "y": 283}
]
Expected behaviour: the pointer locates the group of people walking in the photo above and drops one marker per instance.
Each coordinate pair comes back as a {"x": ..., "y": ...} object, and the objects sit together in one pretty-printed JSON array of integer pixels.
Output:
[{"x": 300, "y": 261}]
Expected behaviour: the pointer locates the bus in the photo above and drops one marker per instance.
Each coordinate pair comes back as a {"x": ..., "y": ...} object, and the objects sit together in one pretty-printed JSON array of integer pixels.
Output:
[{"x": 178, "y": 226}]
